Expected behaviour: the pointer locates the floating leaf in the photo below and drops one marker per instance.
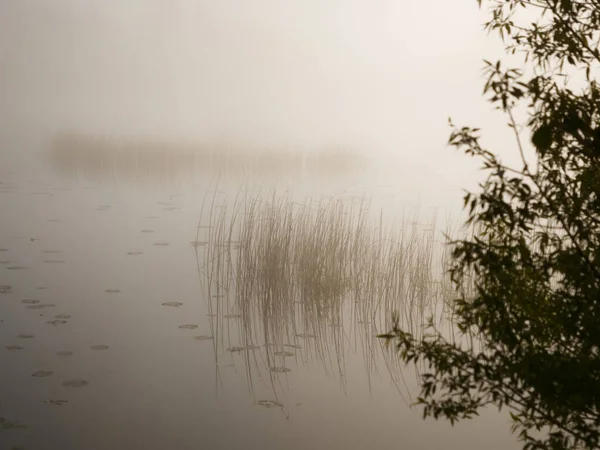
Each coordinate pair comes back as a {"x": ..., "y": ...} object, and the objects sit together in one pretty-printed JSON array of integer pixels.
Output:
[
  {"x": 41, "y": 306},
  {"x": 292, "y": 346},
  {"x": 25, "y": 336},
  {"x": 242, "y": 349},
  {"x": 42, "y": 374},
  {"x": 269, "y": 404},
  {"x": 172, "y": 304},
  {"x": 9, "y": 425},
  {"x": 203, "y": 338},
  {"x": 55, "y": 402},
  {"x": 188, "y": 326},
  {"x": 163, "y": 244},
  {"x": 306, "y": 336},
  {"x": 29, "y": 301}
]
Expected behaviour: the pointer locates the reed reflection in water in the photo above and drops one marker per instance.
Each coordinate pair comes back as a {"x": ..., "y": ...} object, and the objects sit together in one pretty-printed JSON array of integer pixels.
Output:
[{"x": 289, "y": 283}]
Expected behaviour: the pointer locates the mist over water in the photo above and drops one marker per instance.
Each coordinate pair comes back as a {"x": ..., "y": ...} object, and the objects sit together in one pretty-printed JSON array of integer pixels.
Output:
[{"x": 208, "y": 210}]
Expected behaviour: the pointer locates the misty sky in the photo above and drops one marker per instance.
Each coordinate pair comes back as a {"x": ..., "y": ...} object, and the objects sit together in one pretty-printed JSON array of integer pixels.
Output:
[{"x": 382, "y": 76}]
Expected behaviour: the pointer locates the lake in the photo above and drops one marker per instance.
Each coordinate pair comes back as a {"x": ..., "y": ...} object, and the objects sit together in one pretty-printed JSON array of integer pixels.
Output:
[
  {"x": 209, "y": 210},
  {"x": 162, "y": 294}
]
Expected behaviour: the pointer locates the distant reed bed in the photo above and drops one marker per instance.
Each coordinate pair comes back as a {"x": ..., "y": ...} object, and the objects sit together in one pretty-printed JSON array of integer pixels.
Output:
[{"x": 160, "y": 158}]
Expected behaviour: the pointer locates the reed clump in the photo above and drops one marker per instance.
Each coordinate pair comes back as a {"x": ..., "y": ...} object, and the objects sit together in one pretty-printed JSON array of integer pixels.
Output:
[{"x": 320, "y": 277}]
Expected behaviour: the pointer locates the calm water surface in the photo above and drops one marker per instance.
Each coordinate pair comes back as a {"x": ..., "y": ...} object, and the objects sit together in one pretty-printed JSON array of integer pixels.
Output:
[{"x": 113, "y": 336}]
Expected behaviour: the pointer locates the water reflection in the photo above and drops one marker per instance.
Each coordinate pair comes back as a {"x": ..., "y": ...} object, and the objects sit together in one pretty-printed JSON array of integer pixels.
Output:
[
  {"x": 145, "y": 159},
  {"x": 289, "y": 284}
]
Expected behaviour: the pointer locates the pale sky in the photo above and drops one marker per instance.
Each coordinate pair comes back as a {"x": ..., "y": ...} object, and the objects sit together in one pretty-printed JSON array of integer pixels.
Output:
[{"x": 382, "y": 75}]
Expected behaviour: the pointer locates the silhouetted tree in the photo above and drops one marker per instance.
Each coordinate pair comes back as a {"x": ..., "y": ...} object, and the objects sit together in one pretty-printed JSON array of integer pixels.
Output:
[{"x": 535, "y": 261}]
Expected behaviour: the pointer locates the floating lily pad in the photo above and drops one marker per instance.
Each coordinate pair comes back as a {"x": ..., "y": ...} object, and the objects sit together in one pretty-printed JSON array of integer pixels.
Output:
[
  {"x": 55, "y": 402},
  {"x": 17, "y": 267},
  {"x": 188, "y": 326},
  {"x": 172, "y": 304},
  {"x": 25, "y": 336},
  {"x": 284, "y": 354},
  {"x": 29, "y": 301},
  {"x": 41, "y": 306},
  {"x": 242, "y": 349},
  {"x": 306, "y": 336},
  {"x": 75, "y": 383},
  {"x": 56, "y": 322},
  {"x": 54, "y": 261},
  {"x": 203, "y": 338},
  {"x": 63, "y": 316},
  {"x": 13, "y": 347},
  {"x": 10, "y": 425},
  {"x": 232, "y": 316},
  {"x": 42, "y": 374},
  {"x": 99, "y": 347},
  {"x": 269, "y": 404},
  {"x": 5, "y": 289},
  {"x": 279, "y": 369},
  {"x": 135, "y": 253},
  {"x": 64, "y": 353},
  {"x": 113, "y": 291}
]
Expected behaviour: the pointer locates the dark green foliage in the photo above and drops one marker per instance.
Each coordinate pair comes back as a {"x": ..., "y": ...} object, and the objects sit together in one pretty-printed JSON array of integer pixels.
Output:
[{"x": 535, "y": 259}]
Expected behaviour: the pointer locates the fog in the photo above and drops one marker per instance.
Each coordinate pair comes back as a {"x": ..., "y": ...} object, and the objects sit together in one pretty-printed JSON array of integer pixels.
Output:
[
  {"x": 380, "y": 76},
  {"x": 143, "y": 145}
]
